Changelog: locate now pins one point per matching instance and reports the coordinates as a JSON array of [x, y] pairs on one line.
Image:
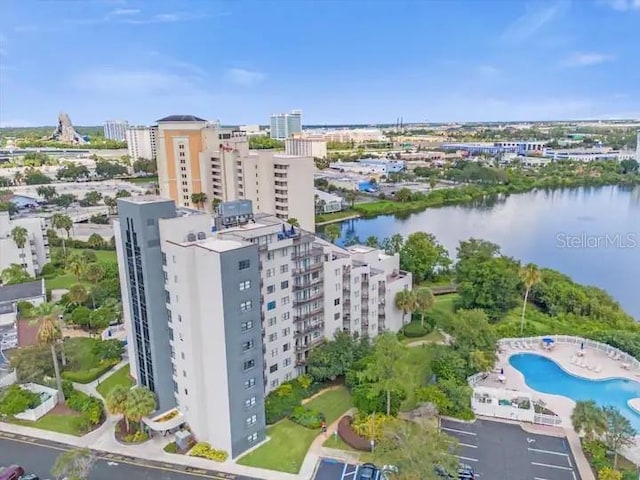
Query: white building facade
[[305, 148], [284, 125], [141, 142], [115, 130], [34, 254]]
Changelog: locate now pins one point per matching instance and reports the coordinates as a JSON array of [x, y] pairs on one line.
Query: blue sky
[[349, 61]]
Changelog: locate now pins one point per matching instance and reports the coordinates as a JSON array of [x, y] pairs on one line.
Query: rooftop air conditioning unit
[[201, 236], [191, 237]]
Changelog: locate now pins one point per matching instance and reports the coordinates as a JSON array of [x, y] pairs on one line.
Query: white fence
[[45, 407], [114, 332], [578, 341], [8, 379]]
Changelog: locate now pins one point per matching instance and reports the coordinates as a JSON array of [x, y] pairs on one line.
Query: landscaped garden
[[121, 377], [289, 441]]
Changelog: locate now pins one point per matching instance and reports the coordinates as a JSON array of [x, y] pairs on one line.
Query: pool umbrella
[[548, 340], [582, 346], [502, 371]]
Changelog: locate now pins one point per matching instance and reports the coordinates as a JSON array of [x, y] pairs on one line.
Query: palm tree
[[60, 221], [117, 402], [530, 275], [20, 236], [351, 196], [424, 302], [332, 232], [406, 301], [214, 204], [111, 203], [141, 402], [76, 264], [293, 222], [18, 178], [49, 334], [588, 419], [77, 294], [199, 199]]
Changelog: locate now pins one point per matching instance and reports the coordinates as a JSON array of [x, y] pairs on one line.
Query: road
[[38, 456]]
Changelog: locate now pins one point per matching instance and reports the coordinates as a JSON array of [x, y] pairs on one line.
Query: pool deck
[[562, 354]]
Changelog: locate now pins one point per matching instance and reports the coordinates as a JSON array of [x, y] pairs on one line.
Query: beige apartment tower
[[195, 156]]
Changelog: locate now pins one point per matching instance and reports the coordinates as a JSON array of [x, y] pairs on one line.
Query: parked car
[[12, 472], [465, 472], [368, 471], [30, 476]]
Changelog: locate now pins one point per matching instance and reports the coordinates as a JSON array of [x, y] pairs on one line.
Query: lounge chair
[[617, 356], [526, 346], [611, 354], [597, 369]]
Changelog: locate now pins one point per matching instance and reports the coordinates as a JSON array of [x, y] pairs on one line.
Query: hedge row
[[350, 437], [88, 376]]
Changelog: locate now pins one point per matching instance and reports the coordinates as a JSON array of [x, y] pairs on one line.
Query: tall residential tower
[[285, 125]]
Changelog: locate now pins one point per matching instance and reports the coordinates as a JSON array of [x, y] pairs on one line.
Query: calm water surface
[[590, 234]]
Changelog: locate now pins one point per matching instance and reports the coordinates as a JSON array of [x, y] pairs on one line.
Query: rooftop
[[21, 291], [181, 118], [216, 244]]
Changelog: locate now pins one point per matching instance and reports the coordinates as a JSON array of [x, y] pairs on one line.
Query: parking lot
[[504, 451], [335, 470]]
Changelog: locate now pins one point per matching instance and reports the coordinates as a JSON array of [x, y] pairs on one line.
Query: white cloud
[[587, 59], [533, 20], [244, 77], [623, 5], [125, 11], [128, 82]]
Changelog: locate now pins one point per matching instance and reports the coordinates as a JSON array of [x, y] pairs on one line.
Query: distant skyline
[[340, 62]]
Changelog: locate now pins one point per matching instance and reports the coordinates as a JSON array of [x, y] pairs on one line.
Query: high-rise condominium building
[[246, 298], [305, 148], [35, 251], [196, 157], [115, 130], [638, 147], [284, 125], [141, 142]]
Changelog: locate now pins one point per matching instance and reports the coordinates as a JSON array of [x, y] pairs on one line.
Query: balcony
[[308, 346], [309, 328], [311, 298], [307, 315], [307, 283], [314, 267], [312, 252]]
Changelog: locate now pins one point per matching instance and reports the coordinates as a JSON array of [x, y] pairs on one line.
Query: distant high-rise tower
[[115, 130], [638, 147], [284, 125]]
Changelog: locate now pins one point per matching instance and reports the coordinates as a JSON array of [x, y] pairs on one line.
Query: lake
[[590, 234]]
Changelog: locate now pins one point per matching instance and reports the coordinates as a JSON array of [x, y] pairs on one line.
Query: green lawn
[[66, 280], [120, 377], [336, 216], [418, 365], [143, 180], [69, 424], [432, 337], [289, 442], [101, 255]]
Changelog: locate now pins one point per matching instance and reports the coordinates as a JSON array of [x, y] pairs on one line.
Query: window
[[286, 331], [182, 355], [271, 288], [252, 438], [285, 347], [186, 392], [284, 268], [286, 362], [271, 305], [336, 301], [167, 297], [169, 315], [284, 284], [285, 300], [246, 346], [337, 287], [249, 364], [246, 285], [271, 272], [247, 325], [286, 315], [250, 402], [250, 383], [273, 337], [275, 383], [251, 420], [288, 376], [284, 252], [273, 368], [171, 334], [337, 272], [336, 316], [244, 264], [245, 306], [274, 352], [270, 255], [164, 258], [184, 373]]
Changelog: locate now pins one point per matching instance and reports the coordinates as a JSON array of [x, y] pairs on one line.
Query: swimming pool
[[546, 376]]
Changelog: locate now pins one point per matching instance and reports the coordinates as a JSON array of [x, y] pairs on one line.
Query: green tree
[[214, 204], [424, 302], [619, 432], [406, 301], [20, 236], [588, 419], [62, 222], [372, 241], [94, 272], [122, 194], [386, 371], [111, 203], [140, 403], [423, 256], [351, 196], [199, 199], [49, 334], [143, 165], [530, 275], [92, 198], [76, 264], [332, 232], [335, 358], [47, 192], [608, 473], [264, 142], [15, 274], [117, 402], [403, 195], [393, 244], [100, 318], [81, 316], [96, 242], [78, 294], [293, 222], [64, 200], [74, 464], [415, 450]]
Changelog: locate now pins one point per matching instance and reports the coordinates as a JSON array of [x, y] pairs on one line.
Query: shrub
[[89, 406], [283, 400], [414, 330], [307, 417], [350, 437], [368, 402], [88, 376], [48, 269], [205, 450], [15, 400], [433, 394], [371, 426], [171, 447]]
